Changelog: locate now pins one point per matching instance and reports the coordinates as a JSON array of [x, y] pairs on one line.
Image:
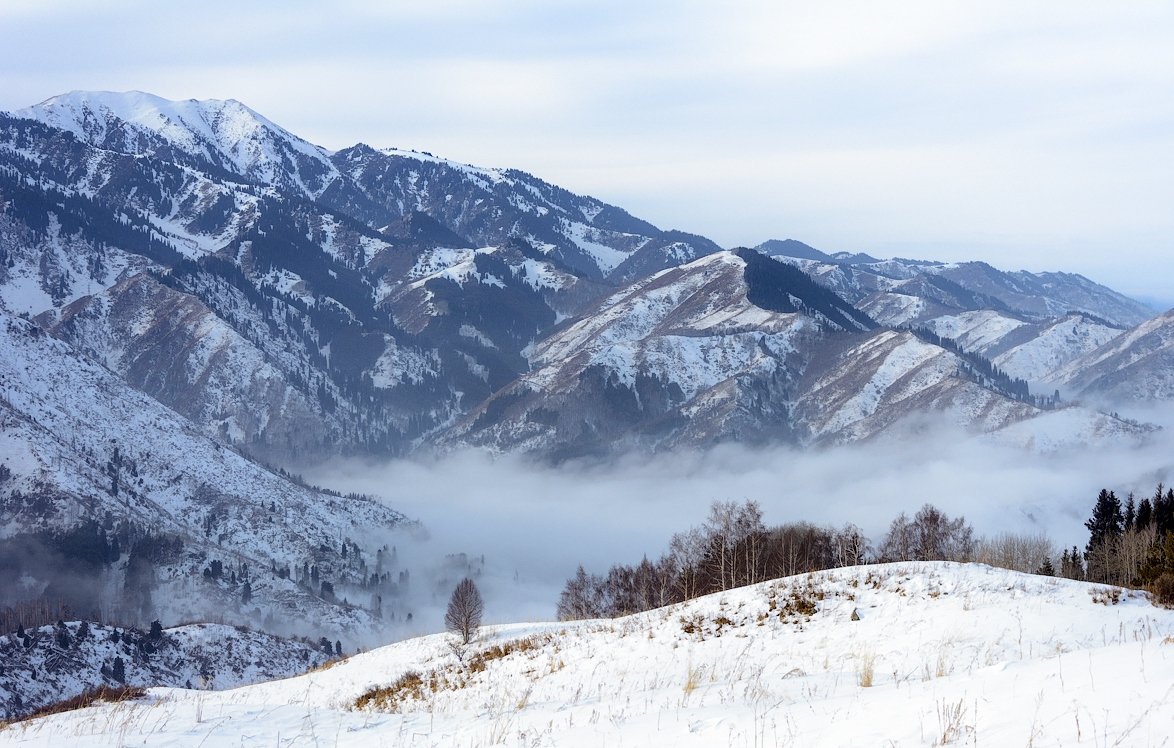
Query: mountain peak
[[225, 132]]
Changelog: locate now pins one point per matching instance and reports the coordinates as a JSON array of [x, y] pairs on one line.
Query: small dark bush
[[1163, 590]]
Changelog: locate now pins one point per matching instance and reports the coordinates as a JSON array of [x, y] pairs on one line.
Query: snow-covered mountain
[[1135, 366], [227, 136], [491, 206], [685, 356], [298, 303], [377, 187], [170, 345], [902, 292], [900, 654], [1030, 325], [58, 662], [185, 522], [350, 260], [734, 346]]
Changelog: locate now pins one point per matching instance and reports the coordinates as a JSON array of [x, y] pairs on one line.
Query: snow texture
[[899, 654]]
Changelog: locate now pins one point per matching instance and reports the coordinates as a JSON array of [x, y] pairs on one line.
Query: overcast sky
[[1031, 135]]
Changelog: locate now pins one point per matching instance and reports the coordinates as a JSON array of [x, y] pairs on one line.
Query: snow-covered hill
[[171, 346], [80, 445], [901, 654], [55, 663]]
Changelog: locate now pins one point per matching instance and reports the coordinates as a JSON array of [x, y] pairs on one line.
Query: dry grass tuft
[[103, 694], [478, 661], [867, 670], [414, 686], [410, 685], [951, 722], [692, 679]]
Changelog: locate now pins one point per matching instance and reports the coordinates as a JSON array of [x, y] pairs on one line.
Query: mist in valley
[[534, 523]]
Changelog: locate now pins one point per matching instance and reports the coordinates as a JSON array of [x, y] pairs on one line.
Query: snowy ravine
[[899, 654]]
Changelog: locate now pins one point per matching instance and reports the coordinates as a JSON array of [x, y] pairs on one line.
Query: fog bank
[[535, 523]]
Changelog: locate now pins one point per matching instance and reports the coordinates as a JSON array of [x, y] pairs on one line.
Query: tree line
[[1129, 546]]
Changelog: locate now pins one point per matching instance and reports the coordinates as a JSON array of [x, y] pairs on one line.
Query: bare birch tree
[[464, 610]]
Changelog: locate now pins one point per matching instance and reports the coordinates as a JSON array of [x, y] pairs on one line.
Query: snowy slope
[[698, 353], [492, 206], [81, 444], [1136, 366], [671, 359], [1032, 351], [173, 347], [940, 654], [53, 663], [1055, 344]]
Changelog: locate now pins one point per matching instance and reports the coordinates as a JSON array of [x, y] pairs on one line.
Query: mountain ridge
[[392, 298]]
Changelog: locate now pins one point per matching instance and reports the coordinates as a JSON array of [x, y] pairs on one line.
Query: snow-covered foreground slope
[[939, 653]]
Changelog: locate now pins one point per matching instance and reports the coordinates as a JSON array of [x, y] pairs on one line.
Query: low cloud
[[534, 523]]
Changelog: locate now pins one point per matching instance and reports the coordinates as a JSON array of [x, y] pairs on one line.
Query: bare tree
[[687, 551], [929, 536], [849, 546], [734, 534], [581, 598], [1026, 553], [464, 610]]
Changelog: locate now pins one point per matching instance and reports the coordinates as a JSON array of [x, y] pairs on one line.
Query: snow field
[[940, 654]]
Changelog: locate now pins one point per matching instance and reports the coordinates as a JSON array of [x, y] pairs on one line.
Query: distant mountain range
[[187, 288], [297, 303]]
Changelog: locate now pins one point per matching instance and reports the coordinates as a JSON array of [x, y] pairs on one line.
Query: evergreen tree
[[1106, 521], [1105, 527], [156, 630], [1071, 565], [119, 670], [1145, 514]]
